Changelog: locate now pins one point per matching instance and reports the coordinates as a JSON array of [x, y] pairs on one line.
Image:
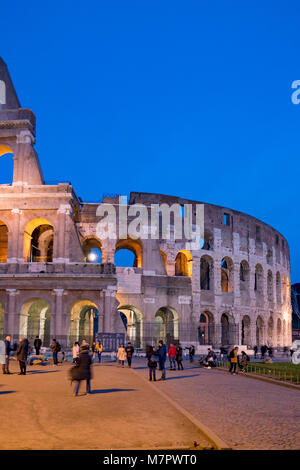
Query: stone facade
[[234, 289]]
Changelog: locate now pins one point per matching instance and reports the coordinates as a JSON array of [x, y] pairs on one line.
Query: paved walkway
[[38, 411], [246, 413]]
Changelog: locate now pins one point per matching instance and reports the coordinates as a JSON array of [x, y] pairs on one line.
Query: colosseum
[[59, 279]]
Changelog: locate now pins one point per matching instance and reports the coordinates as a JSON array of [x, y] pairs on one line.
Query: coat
[[83, 368], [161, 353], [22, 351], [172, 351], [121, 354]]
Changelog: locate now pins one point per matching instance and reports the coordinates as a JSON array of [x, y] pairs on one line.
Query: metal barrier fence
[[279, 373]]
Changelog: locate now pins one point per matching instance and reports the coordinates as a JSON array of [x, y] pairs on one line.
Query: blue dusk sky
[[187, 98]]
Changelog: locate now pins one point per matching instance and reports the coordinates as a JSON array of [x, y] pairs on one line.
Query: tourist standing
[[152, 364], [55, 347], [37, 344], [75, 351], [121, 355], [179, 357], [129, 353], [22, 353], [255, 351], [84, 370], [99, 349], [244, 362], [162, 357], [8, 349], [172, 357], [233, 357], [191, 353]]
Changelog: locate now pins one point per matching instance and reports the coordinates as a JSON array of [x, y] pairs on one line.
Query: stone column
[[61, 243], [59, 318], [16, 240], [108, 300], [11, 317]]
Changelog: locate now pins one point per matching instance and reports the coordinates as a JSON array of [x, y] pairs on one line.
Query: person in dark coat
[[162, 357], [83, 371], [255, 351], [152, 364], [8, 349], [22, 353], [37, 344], [179, 357], [129, 353], [55, 347]]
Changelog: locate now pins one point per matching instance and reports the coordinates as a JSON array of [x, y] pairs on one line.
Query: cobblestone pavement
[[38, 411], [246, 413]]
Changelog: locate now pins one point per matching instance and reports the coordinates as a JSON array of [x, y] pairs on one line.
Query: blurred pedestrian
[[179, 353], [233, 360], [22, 353], [152, 364], [172, 357], [255, 351], [99, 349], [37, 344], [121, 355], [8, 349], [244, 362], [55, 348], [75, 352], [84, 370], [129, 353], [162, 357]]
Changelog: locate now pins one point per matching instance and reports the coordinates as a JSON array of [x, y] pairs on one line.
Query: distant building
[[295, 292]]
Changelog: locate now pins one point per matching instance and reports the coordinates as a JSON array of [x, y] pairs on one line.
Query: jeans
[[88, 386], [99, 356], [172, 362], [179, 364], [152, 372], [55, 358], [129, 359], [232, 368], [162, 367]]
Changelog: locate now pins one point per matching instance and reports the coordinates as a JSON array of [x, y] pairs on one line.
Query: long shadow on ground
[[111, 390], [8, 391]]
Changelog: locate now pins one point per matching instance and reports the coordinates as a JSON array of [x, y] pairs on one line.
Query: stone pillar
[[59, 318], [61, 242], [109, 301], [196, 291], [16, 240], [11, 317], [27, 169]]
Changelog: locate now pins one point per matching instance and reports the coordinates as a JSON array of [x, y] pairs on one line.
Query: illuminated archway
[[84, 321], [6, 164], [38, 241], [35, 318], [92, 250], [3, 242], [184, 263], [133, 322], [227, 274], [166, 325]]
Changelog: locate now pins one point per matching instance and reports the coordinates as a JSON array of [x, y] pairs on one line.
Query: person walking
[[93, 350], [179, 357], [37, 344], [129, 353], [255, 351], [121, 355], [152, 364], [99, 349], [55, 347], [233, 357], [84, 370], [244, 362], [22, 353], [75, 352], [8, 349], [191, 352], [162, 357], [172, 357]]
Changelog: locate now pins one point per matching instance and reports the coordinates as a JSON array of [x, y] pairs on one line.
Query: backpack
[[58, 347]]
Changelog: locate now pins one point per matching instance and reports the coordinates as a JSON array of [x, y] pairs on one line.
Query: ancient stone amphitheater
[[59, 279]]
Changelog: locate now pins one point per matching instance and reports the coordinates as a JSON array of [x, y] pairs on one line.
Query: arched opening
[[205, 333], [269, 257], [278, 288], [1, 320], [133, 322], [35, 319], [270, 331], [6, 164], [246, 330], [258, 280], [206, 273], [284, 289], [227, 275], [244, 278], [92, 250], [183, 263], [207, 243], [38, 241], [129, 253], [279, 333], [224, 329], [3, 242], [84, 321], [259, 331], [270, 286], [166, 325]]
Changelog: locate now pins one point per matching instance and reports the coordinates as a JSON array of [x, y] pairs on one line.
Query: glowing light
[[92, 256]]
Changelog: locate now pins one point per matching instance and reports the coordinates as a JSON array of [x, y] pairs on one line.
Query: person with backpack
[[152, 364], [233, 357], [244, 362], [55, 347]]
